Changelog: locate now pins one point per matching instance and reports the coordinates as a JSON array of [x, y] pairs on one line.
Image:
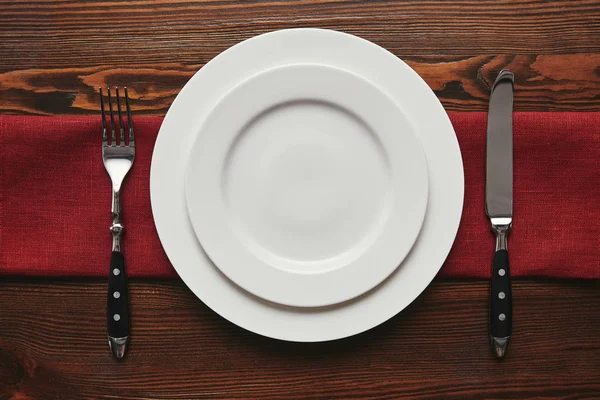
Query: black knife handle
[[117, 307], [501, 299]]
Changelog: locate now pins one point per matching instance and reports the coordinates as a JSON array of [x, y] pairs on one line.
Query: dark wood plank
[[53, 346], [462, 84], [55, 53], [59, 33]]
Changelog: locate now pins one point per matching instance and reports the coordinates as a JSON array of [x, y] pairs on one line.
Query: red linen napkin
[[55, 199]]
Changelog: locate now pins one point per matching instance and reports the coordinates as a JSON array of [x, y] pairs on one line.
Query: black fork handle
[[117, 307]]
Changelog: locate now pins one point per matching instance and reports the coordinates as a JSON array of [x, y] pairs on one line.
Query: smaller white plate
[[306, 185]]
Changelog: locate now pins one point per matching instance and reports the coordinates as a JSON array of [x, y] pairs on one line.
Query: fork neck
[[116, 228]]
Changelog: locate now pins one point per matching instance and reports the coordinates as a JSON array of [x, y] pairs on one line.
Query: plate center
[[307, 182]]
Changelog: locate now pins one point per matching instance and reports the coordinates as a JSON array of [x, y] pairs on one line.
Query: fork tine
[[121, 125], [129, 119], [112, 121], [104, 135]]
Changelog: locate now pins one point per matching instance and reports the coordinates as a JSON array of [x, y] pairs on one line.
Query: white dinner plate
[[306, 185], [306, 46]]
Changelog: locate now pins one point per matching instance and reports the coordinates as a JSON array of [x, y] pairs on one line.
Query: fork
[[118, 159]]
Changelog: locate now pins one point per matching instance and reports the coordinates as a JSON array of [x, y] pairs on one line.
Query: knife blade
[[498, 206]]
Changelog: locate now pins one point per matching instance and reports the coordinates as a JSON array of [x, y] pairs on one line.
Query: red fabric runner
[[55, 199]]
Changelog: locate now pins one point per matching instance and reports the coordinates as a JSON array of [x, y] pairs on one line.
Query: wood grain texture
[[192, 31], [55, 53], [462, 84], [53, 346]]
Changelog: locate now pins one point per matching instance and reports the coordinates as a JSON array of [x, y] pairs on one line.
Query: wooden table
[[53, 341]]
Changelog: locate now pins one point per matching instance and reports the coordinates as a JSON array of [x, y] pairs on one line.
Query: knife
[[498, 206]]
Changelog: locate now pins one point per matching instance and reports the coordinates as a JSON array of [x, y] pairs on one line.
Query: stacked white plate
[[307, 185]]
